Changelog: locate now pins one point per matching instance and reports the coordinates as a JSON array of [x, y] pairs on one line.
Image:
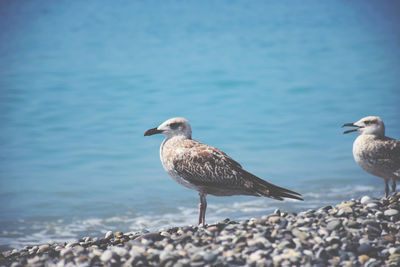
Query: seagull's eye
[[174, 125], [367, 122]]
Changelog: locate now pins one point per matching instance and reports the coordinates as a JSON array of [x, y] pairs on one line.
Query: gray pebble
[[209, 256], [333, 225], [364, 248]]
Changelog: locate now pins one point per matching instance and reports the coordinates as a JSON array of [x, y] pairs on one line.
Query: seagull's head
[[369, 125], [172, 127]]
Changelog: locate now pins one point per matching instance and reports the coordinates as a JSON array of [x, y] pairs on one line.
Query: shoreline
[[363, 232]]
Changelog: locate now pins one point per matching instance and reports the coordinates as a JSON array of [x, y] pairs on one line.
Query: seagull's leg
[[393, 186], [202, 209], [386, 188], [200, 212]]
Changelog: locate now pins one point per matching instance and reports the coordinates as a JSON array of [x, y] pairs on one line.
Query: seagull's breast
[[375, 155], [172, 150]]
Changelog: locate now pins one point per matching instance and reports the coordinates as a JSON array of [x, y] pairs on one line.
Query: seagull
[[207, 169], [374, 152]]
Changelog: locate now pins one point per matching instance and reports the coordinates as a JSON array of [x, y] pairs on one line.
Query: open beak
[[350, 125], [152, 131]]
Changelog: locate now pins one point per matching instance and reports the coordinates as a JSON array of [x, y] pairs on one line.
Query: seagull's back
[[379, 156], [210, 171]]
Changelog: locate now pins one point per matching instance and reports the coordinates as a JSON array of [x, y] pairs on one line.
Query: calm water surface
[[268, 82]]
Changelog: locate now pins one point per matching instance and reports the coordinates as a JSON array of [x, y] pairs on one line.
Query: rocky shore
[[363, 232]]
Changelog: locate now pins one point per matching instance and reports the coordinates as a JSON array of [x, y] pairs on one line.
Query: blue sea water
[[268, 82]]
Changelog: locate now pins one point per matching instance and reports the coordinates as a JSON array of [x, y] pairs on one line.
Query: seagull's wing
[[389, 151], [211, 169]]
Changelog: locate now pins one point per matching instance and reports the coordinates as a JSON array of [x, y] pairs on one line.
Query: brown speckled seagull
[[206, 169], [374, 152]]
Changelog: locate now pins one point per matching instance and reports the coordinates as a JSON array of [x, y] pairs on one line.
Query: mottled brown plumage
[[207, 169]]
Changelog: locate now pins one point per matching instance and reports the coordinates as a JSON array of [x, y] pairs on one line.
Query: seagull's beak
[[152, 131], [350, 125]]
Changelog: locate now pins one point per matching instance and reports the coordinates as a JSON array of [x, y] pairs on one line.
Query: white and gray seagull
[[206, 169], [374, 152]]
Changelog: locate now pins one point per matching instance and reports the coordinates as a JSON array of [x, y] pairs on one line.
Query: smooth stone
[[372, 263], [301, 235], [43, 248], [154, 236], [166, 255], [34, 260], [209, 256], [373, 230], [255, 256], [78, 250], [372, 205], [197, 257], [65, 251], [363, 258], [121, 251], [364, 248], [391, 212], [394, 251], [82, 258], [108, 235], [164, 233], [274, 219], [346, 204], [333, 225], [353, 224], [106, 256], [69, 245], [365, 200]]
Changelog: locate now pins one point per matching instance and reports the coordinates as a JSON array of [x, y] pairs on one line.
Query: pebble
[[108, 235], [391, 212], [363, 232], [119, 234], [43, 248], [372, 205], [333, 225], [106, 256], [365, 200]]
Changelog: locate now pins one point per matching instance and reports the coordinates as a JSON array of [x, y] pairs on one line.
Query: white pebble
[[365, 199], [106, 256], [391, 212], [109, 234]]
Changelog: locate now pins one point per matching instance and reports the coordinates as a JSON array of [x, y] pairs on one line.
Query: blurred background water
[[268, 82]]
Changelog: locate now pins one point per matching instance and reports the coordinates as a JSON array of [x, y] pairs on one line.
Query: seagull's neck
[[173, 138], [373, 135]]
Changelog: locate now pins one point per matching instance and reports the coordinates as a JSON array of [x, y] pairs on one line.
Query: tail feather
[[263, 188]]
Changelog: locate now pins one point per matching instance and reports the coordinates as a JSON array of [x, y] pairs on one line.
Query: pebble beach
[[362, 232]]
